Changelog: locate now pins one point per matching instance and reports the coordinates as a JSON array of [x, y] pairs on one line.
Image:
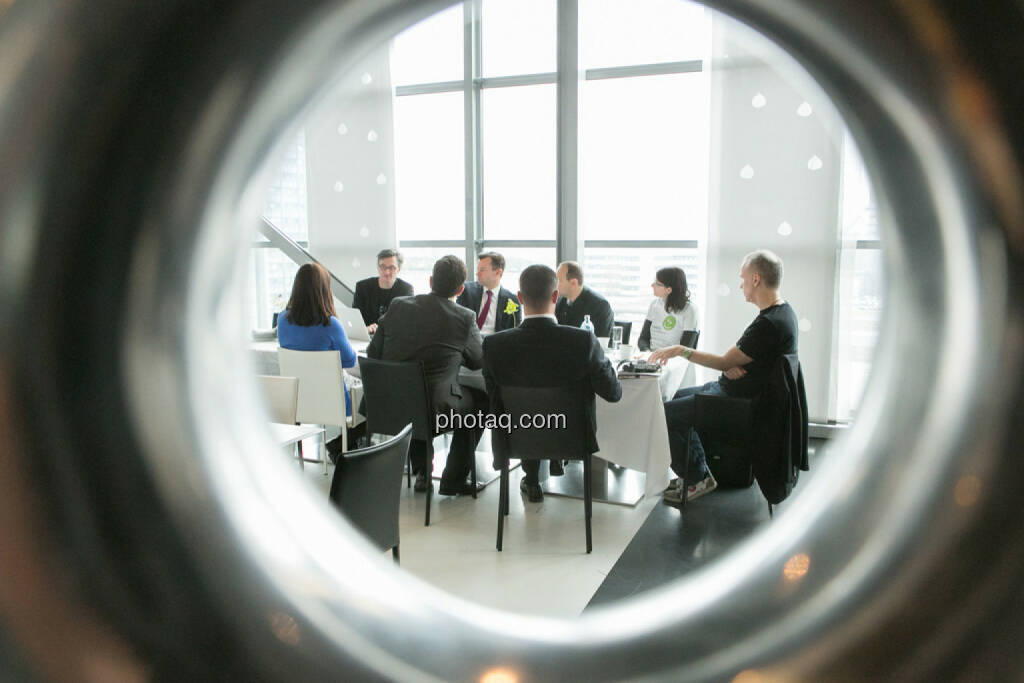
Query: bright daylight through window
[[673, 137]]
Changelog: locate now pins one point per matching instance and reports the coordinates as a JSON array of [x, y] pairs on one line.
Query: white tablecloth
[[632, 432], [675, 374]]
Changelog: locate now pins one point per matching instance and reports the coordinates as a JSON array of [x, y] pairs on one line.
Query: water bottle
[[587, 325]]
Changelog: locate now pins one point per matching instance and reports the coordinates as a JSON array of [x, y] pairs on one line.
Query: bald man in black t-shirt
[[744, 367]]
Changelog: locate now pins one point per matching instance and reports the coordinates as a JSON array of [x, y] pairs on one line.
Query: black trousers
[[464, 441]]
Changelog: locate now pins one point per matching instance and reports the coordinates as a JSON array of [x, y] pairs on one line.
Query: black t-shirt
[[373, 302], [772, 334]]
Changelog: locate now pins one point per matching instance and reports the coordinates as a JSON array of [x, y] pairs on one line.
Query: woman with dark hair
[[671, 313], [309, 322]]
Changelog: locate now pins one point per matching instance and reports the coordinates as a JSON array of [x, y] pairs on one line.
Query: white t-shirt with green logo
[[667, 328]]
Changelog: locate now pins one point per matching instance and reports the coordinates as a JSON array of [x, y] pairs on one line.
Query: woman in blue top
[[309, 322]]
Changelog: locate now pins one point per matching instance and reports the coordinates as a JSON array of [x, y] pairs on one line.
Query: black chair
[[367, 486], [626, 328], [576, 441], [396, 394], [689, 338], [763, 438]]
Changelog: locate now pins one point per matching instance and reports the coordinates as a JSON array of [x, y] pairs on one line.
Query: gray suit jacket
[[435, 330]]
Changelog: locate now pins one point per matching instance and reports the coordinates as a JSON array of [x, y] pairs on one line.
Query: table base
[[611, 484]]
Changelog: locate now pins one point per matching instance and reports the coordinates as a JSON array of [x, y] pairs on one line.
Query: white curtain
[[774, 184], [350, 172]]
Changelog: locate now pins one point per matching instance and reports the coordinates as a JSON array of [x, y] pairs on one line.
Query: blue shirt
[[317, 338]]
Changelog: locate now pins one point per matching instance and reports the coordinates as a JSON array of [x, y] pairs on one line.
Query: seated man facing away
[[434, 329], [542, 353], [745, 368]]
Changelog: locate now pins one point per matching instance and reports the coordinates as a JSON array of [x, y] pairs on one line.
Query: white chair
[[281, 395], [321, 389]]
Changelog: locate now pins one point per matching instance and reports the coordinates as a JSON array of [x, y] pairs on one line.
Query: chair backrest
[[367, 488], [321, 385], [396, 394], [626, 328], [281, 395], [561, 424], [690, 338]]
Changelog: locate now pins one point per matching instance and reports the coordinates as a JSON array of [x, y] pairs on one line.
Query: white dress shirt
[[492, 315]]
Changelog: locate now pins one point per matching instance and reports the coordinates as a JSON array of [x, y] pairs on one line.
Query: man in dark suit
[[495, 307], [542, 353], [434, 329]]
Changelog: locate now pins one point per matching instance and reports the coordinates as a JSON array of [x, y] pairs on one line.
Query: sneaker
[[673, 496], [706, 485], [674, 484]]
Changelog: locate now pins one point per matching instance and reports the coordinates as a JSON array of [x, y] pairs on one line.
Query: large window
[[484, 101], [861, 284], [641, 127], [270, 272]]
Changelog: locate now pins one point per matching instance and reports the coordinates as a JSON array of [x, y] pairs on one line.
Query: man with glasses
[[495, 307], [374, 294]]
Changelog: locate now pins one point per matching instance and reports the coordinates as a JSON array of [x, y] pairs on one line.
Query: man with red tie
[[495, 307]]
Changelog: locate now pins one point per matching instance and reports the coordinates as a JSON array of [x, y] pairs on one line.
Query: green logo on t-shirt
[[669, 322]]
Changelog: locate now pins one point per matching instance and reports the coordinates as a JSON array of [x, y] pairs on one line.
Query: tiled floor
[[544, 568]]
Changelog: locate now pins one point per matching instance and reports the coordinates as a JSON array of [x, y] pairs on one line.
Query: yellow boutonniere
[[511, 307]]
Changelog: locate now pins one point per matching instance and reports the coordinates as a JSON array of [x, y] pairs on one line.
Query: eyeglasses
[[388, 269], [657, 284]]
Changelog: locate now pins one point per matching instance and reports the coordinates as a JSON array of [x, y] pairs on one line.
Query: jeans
[[680, 414]]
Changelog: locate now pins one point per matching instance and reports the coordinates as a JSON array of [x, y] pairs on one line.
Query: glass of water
[[616, 339]]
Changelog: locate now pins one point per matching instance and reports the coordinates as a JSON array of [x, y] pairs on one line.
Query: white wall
[[776, 142], [349, 140]]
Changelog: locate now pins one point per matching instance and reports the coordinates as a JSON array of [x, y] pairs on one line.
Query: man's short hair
[[449, 274], [497, 260], [572, 271], [536, 285], [390, 253], [767, 264]]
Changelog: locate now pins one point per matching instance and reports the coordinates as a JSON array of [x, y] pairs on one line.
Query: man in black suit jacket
[[542, 353], [498, 312], [434, 329], [577, 301]]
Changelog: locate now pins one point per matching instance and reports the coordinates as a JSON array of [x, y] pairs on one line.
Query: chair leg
[[474, 476], [408, 470], [769, 510], [502, 503], [587, 501], [323, 447], [685, 484], [430, 482], [394, 554], [302, 460]]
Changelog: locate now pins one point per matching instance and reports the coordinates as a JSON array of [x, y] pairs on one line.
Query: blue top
[[317, 338]]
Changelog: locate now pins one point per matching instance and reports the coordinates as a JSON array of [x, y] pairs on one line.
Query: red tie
[[483, 314]]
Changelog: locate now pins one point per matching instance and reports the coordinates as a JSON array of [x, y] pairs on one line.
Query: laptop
[[352, 321]]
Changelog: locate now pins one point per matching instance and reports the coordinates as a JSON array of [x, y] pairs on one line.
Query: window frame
[[567, 243]]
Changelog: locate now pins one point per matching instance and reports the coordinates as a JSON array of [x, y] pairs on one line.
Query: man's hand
[[371, 328], [661, 356], [735, 372]]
